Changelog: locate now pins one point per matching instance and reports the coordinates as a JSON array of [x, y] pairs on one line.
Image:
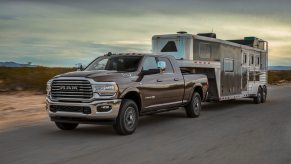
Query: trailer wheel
[[264, 94], [258, 98], [66, 126], [193, 109], [127, 119]]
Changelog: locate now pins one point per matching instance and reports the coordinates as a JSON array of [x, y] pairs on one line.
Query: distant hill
[[279, 68], [14, 64]]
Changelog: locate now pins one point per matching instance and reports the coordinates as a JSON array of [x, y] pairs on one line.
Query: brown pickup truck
[[118, 88]]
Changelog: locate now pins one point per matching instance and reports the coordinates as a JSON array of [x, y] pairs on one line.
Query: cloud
[[64, 32], [62, 54]]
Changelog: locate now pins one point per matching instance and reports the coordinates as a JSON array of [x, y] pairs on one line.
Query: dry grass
[[275, 77], [34, 79]]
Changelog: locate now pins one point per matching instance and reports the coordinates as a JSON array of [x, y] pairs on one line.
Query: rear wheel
[[264, 94], [66, 126], [193, 109], [258, 98], [127, 119]]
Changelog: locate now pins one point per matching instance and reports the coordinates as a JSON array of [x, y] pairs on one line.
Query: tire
[[127, 119], [258, 98], [264, 94], [193, 109], [66, 126]]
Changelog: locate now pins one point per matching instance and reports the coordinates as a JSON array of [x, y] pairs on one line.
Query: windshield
[[115, 63]]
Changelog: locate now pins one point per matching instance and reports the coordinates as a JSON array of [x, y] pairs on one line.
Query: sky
[[67, 32]]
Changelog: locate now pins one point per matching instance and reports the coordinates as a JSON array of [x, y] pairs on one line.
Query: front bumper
[[93, 116]]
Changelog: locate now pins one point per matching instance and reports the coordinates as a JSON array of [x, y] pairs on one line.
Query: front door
[[149, 85]]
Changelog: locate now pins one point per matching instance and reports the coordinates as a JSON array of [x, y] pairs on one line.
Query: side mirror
[[150, 71], [162, 65]]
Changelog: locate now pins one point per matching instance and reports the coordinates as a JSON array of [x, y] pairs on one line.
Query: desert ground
[[237, 132], [21, 108]]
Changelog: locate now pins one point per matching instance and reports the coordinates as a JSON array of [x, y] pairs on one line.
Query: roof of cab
[[133, 54]]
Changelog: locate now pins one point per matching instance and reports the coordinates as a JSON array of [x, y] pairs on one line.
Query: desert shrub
[[28, 78], [35, 78], [279, 76]]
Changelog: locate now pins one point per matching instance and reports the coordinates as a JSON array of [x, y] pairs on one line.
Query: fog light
[[104, 108], [86, 110], [53, 108]]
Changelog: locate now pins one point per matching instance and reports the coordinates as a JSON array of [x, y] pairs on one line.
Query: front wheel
[[127, 119], [193, 109], [66, 126]]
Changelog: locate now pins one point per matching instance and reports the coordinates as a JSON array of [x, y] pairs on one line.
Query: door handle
[[176, 79], [159, 80]]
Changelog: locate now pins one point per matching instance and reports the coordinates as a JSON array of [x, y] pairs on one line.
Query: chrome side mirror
[[162, 65]]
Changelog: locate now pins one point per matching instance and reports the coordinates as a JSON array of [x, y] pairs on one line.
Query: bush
[[279, 76], [35, 78], [28, 78]]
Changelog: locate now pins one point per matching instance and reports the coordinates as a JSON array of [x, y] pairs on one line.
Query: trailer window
[[245, 58], [204, 50], [251, 60], [257, 60], [170, 47], [228, 65]]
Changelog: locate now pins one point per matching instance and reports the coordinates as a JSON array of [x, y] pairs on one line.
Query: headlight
[[48, 87], [105, 89]]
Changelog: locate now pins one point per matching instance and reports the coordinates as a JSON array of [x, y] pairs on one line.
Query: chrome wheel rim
[[259, 96], [130, 118], [196, 105]]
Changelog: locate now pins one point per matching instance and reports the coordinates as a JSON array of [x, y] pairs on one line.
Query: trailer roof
[[210, 40]]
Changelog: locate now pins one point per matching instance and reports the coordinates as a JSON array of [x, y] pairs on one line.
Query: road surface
[[227, 133]]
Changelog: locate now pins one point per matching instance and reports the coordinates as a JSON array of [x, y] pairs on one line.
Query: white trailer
[[235, 68]]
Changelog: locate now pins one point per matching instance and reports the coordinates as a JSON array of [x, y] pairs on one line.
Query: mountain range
[[279, 68], [14, 64]]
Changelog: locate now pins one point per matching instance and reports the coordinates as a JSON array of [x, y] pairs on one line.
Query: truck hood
[[101, 76]]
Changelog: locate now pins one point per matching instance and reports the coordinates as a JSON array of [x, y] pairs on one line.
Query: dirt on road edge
[[21, 108]]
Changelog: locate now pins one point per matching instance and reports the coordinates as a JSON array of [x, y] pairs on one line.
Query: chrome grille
[[71, 89]]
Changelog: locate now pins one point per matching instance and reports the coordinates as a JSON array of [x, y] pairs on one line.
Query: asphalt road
[[230, 132]]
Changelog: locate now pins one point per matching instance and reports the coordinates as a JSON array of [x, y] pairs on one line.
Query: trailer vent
[[181, 32], [210, 35]]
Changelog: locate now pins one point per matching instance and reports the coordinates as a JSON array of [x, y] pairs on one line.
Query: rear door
[[161, 90], [172, 84]]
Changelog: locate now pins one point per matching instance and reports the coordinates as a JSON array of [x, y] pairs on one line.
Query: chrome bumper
[[94, 115]]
